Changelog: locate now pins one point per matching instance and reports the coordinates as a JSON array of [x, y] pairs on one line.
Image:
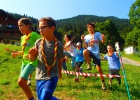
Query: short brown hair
[[92, 24], [50, 21]]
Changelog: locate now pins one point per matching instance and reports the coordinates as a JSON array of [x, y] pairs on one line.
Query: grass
[[135, 57], [88, 88]]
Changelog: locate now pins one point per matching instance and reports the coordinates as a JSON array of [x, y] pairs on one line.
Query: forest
[[115, 29]]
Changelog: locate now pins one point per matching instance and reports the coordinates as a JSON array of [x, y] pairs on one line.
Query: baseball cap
[[78, 44]]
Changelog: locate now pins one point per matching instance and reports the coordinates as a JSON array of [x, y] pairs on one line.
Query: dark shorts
[[96, 61], [79, 64], [114, 72]]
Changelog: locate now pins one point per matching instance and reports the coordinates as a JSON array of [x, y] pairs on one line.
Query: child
[[79, 58], [27, 42], [69, 49], [91, 43], [50, 55], [114, 64], [64, 64]]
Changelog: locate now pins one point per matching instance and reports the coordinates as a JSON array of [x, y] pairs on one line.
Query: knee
[[21, 82], [85, 52]]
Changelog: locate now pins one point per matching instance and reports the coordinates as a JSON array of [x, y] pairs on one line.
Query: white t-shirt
[[71, 49], [95, 48]]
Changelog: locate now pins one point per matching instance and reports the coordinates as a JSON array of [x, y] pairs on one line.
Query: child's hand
[[103, 36], [14, 54], [33, 51], [82, 37], [32, 54], [60, 75], [91, 42]]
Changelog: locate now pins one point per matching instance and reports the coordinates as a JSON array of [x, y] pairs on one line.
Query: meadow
[[88, 88]]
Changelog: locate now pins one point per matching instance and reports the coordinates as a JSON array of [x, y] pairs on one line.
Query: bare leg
[[110, 81], [23, 84], [99, 69], [77, 68], [87, 58]]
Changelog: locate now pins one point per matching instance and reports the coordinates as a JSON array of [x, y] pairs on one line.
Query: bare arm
[[103, 38], [32, 54], [14, 53], [9, 50], [103, 59], [66, 46], [82, 38]]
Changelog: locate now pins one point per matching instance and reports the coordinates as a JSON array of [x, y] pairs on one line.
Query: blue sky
[[60, 9]]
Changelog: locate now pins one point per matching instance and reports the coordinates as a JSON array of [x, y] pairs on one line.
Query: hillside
[[84, 19], [121, 24], [114, 28]]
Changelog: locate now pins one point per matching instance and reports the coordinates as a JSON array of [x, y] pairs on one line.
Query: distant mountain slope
[[84, 19]]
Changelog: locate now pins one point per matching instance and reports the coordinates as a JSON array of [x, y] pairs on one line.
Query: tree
[[134, 15], [112, 35], [133, 38]]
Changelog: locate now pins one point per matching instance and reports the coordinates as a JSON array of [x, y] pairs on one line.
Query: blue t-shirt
[[79, 55], [113, 61], [94, 49]]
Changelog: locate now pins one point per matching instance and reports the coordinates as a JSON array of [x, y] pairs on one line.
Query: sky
[[61, 9]]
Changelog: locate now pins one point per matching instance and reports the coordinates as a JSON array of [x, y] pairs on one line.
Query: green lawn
[[88, 88], [135, 57]]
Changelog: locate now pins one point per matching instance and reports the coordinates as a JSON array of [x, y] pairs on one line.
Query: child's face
[[66, 38], [90, 29], [23, 28], [109, 49], [45, 30], [78, 47]]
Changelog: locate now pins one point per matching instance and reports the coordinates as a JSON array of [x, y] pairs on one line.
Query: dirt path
[[129, 61]]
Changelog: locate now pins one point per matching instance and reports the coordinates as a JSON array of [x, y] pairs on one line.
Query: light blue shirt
[[94, 49], [113, 61]]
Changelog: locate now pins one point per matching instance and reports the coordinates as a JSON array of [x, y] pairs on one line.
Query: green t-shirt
[[30, 43]]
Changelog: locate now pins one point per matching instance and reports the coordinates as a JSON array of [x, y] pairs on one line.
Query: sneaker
[[103, 86], [76, 79], [89, 67], [29, 82]]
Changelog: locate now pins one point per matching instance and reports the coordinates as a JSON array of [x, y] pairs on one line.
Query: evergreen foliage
[[115, 29]]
